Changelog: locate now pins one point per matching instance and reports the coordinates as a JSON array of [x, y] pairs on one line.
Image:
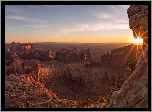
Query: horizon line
[[76, 42]]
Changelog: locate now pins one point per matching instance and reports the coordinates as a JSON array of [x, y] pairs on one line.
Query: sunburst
[[138, 40]]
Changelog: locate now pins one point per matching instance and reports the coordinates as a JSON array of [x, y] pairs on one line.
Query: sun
[[138, 40]]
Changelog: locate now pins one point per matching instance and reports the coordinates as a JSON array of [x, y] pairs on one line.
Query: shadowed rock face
[[39, 55], [134, 91], [118, 58], [138, 21], [74, 55]]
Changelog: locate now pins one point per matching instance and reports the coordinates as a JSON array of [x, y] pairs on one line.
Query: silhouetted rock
[[37, 54], [74, 55], [119, 57], [138, 22]]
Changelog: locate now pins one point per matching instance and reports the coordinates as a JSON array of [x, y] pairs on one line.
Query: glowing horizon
[[67, 23]]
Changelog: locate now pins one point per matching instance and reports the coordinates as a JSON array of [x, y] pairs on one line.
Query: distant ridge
[[58, 42]]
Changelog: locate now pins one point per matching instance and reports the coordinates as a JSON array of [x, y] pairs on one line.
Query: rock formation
[[66, 74], [24, 67], [74, 55], [26, 52], [138, 22], [118, 57], [134, 91], [10, 57], [37, 54], [17, 48], [22, 91], [93, 63]]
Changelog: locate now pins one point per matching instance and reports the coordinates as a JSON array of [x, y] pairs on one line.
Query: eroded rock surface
[[22, 91], [37, 54], [134, 91], [138, 21], [118, 58], [74, 55]]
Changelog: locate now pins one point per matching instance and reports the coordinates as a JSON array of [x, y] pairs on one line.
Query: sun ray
[[138, 40], [140, 29], [126, 57], [141, 46], [143, 33], [137, 53], [142, 53], [145, 43], [135, 32]]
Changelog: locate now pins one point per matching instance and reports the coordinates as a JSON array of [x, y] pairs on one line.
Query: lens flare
[[138, 40]]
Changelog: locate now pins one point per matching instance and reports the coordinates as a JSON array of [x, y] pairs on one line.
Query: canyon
[[60, 80]]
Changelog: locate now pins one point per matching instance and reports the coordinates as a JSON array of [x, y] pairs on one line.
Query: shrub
[[29, 104], [131, 64], [103, 99], [84, 104], [19, 105]]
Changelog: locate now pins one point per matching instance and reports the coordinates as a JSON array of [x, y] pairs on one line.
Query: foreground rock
[[22, 91], [134, 91]]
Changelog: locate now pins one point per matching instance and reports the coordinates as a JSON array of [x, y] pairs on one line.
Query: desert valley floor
[[94, 83]]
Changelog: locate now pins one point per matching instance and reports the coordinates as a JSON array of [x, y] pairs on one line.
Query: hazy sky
[[67, 23]]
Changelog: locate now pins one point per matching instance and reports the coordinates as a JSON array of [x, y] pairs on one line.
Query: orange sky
[[124, 36]]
